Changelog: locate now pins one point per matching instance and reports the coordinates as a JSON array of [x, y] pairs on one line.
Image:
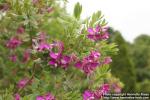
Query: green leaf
[[77, 10]]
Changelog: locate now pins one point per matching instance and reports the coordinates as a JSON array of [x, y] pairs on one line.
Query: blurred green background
[[132, 64]]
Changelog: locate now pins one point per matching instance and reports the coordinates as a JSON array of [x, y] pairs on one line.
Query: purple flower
[[88, 95], [57, 58], [105, 88], [97, 94], [65, 60], [48, 96], [89, 67], [89, 63], [17, 96], [53, 62], [13, 58], [55, 55], [62, 61], [98, 33], [107, 60], [20, 30], [44, 46], [13, 43], [40, 98], [22, 83]]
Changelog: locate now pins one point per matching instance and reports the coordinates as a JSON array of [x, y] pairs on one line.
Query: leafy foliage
[[30, 67], [122, 62]]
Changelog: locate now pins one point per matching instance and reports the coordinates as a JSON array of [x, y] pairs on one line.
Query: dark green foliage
[[140, 54], [143, 86], [122, 66]]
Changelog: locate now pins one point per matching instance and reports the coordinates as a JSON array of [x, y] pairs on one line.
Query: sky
[[130, 17]]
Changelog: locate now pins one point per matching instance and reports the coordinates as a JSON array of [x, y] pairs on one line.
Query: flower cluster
[[13, 43], [22, 83], [57, 58], [47, 96], [13, 58], [17, 97], [96, 95], [98, 33], [55, 50], [89, 63]]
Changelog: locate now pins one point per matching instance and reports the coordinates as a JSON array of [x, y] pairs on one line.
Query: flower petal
[[91, 30]]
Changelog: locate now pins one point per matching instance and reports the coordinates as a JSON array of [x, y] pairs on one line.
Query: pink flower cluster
[[13, 43], [22, 83], [17, 97], [13, 58], [98, 33], [56, 56], [96, 95], [89, 63], [48, 96]]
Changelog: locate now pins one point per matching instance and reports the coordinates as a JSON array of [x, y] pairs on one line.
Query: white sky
[[130, 17]]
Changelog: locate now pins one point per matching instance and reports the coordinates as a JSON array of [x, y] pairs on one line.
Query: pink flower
[[57, 58], [55, 55], [107, 60], [98, 33], [17, 97], [89, 63], [26, 56], [65, 61], [47, 96], [97, 94], [13, 58], [20, 30], [60, 60], [104, 89], [43, 46], [22, 83], [40, 98], [13, 43], [88, 95]]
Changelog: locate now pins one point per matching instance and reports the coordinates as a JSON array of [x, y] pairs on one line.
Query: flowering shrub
[[47, 54]]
